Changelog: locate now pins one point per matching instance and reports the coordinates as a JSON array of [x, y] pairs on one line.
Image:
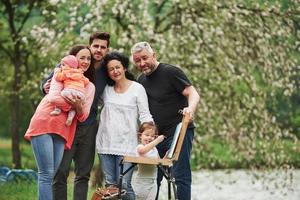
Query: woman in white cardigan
[[125, 107]]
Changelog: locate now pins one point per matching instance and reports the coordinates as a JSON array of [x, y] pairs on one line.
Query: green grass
[[25, 190], [18, 191], [28, 191], [28, 161], [210, 153]]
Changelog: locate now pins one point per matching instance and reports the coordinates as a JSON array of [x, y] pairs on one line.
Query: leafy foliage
[[242, 56]]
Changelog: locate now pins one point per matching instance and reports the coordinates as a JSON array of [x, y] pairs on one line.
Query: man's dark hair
[[100, 36]]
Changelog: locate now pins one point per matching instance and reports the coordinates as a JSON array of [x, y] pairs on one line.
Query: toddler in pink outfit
[[74, 83]]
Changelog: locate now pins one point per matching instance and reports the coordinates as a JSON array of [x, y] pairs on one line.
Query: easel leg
[[169, 190], [122, 174], [171, 181], [167, 173], [174, 187]]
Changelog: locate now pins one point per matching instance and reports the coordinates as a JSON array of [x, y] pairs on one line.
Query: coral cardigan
[[42, 122]]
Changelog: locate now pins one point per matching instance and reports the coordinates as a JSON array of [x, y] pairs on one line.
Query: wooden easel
[[164, 164]]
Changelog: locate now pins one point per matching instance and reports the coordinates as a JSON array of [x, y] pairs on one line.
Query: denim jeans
[[83, 154], [111, 169], [181, 169], [48, 150]]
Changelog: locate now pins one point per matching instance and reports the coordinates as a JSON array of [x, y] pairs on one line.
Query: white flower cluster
[[45, 37]]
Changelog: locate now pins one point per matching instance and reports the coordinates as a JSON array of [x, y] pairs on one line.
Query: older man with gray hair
[[169, 90]]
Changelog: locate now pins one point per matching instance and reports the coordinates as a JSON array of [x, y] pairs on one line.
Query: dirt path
[[244, 185]]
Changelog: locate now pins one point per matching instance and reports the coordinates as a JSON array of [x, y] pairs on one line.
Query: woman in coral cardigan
[[48, 134]]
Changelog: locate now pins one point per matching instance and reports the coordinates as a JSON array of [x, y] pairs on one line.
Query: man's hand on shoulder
[[46, 86]]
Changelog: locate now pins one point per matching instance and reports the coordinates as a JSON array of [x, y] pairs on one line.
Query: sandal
[[107, 193]]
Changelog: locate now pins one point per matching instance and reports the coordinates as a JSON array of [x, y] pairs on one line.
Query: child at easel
[[145, 182]]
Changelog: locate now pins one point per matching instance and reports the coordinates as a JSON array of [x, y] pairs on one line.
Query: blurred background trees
[[242, 56]]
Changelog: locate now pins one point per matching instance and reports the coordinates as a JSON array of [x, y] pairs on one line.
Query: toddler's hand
[[160, 138]]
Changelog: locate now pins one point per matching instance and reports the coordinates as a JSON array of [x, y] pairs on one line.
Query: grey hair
[[140, 46]]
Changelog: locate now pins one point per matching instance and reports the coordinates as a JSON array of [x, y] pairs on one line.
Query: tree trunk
[[16, 19], [15, 115], [16, 153]]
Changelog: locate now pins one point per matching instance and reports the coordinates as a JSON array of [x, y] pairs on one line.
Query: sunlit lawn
[[24, 190], [28, 191], [216, 149], [26, 151]]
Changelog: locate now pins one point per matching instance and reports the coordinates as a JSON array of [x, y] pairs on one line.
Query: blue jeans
[[48, 150], [181, 169], [111, 169]]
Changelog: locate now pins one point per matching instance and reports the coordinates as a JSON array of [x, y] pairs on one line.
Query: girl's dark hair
[[114, 55], [147, 125], [90, 72]]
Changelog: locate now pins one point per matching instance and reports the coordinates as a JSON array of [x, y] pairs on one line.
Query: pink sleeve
[[59, 75], [90, 92], [54, 96]]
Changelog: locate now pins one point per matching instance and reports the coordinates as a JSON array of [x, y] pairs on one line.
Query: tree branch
[[6, 51], [158, 10], [11, 14], [30, 7], [159, 19], [27, 72]]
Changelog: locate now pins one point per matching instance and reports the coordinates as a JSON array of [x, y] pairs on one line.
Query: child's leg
[[56, 111], [71, 115]]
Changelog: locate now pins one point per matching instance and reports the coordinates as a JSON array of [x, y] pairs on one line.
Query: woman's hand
[[76, 102]]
